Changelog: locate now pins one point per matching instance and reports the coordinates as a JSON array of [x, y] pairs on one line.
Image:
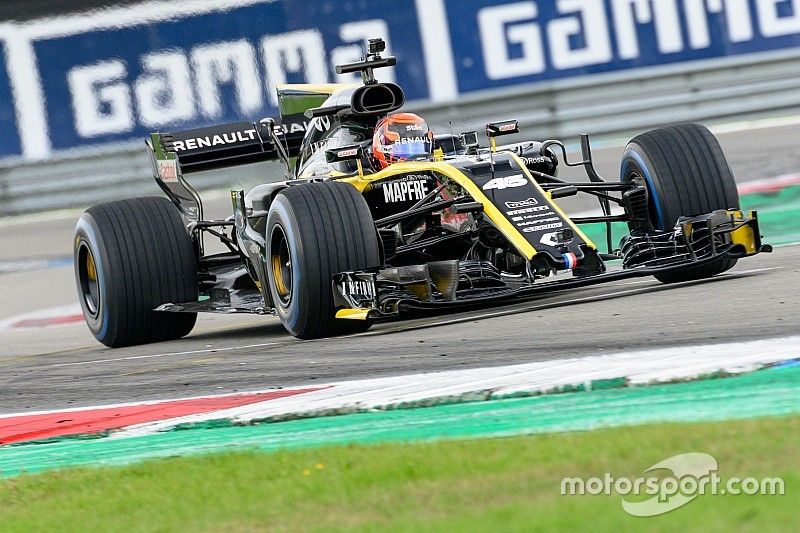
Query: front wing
[[695, 241]]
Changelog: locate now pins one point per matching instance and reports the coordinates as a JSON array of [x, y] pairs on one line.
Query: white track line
[[159, 355], [636, 367]]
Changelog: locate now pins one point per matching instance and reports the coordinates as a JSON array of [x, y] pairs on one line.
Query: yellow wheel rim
[[91, 271], [281, 265], [88, 280]]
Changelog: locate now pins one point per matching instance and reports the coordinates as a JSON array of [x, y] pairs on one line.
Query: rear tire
[[130, 257], [314, 231], [686, 174]]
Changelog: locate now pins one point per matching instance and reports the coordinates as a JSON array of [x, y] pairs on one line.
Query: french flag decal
[[570, 260]]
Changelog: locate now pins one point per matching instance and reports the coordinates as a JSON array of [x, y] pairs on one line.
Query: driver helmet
[[400, 137]]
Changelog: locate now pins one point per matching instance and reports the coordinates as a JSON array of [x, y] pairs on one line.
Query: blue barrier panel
[[115, 75], [119, 83], [499, 43], [9, 138]]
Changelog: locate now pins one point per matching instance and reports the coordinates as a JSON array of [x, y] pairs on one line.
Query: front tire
[[314, 231], [130, 257], [686, 174]]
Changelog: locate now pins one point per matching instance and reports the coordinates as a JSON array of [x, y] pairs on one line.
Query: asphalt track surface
[[62, 367]]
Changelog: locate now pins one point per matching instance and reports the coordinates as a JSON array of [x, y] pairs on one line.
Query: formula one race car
[[377, 216]]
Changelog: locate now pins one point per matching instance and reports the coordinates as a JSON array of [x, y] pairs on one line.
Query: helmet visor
[[406, 148]]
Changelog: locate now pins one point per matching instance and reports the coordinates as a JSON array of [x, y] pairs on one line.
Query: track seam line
[[153, 356]]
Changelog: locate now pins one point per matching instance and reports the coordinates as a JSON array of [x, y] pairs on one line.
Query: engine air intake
[[377, 98]]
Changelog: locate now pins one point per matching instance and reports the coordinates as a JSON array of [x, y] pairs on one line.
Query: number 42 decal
[[507, 182]]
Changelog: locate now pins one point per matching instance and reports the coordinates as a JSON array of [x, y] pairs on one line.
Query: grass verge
[[509, 484]]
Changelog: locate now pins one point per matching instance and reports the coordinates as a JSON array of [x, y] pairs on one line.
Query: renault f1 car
[[340, 242]]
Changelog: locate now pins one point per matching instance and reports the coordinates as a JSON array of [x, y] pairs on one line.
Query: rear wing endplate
[[174, 155]]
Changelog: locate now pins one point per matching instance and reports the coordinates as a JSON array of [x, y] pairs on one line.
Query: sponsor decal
[[538, 209], [167, 170], [506, 182], [347, 153], [542, 228], [316, 146], [411, 140], [507, 127], [360, 289], [321, 124], [530, 202], [414, 127], [215, 140], [405, 191], [535, 160], [294, 127], [531, 217], [538, 222]]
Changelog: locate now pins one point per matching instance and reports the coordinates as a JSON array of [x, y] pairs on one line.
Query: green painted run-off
[[763, 393], [778, 218]]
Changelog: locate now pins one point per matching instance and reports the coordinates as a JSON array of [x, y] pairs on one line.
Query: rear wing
[[240, 143], [174, 155], [222, 146]]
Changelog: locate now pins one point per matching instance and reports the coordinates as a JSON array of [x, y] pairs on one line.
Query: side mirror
[[345, 153], [506, 127]]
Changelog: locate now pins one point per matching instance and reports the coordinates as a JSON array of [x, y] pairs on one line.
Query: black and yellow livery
[[338, 242]]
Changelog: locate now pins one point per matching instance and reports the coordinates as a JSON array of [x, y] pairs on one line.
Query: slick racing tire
[[686, 174], [314, 231], [130, 257]]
